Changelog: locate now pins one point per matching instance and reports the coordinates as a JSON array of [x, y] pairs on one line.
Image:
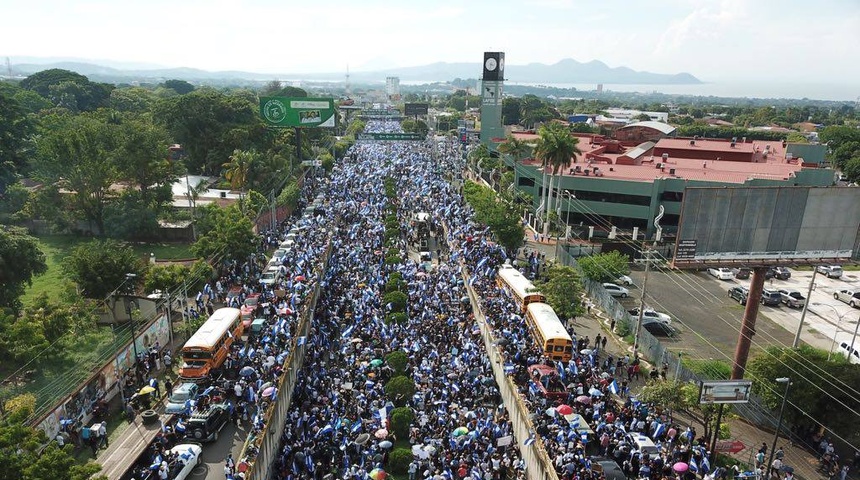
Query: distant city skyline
[[715, 40]]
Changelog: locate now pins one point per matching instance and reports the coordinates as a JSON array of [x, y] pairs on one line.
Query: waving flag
[[301, 341], [529, 440], [613, 387]]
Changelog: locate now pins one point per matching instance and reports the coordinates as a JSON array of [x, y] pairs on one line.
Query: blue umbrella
[[247, 371]]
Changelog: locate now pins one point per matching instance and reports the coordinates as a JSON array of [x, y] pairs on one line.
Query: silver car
[[615, 290], [848, 296]]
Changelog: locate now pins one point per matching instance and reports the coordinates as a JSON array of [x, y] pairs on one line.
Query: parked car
[[740, 294], [658, 328], [616, 291], [607, 468], [204, 426], [270, 276], [742, 273], [771, 298], [721, 273], [187, 459], [181, 394], [830, 271], [793, 298], [624, 280], [848, 296], [651, 314]]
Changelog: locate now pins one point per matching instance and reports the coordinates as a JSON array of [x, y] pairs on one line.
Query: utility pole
[[742, 350], [647, 254], [805, 308]]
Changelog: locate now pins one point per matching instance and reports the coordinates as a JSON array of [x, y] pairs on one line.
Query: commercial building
[[625, 186]]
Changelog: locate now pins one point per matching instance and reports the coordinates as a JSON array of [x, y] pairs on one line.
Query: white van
[[270, 276]]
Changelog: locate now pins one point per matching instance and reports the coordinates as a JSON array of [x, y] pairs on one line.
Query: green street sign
[[390, 136], [298, 112]]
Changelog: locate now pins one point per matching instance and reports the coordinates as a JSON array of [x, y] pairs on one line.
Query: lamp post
[[838, 326], [787, 383]]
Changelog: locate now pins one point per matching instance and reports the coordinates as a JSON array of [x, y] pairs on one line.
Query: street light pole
[[787, 383], [838, 327]]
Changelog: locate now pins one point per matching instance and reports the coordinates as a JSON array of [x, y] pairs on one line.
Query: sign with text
[[298, 112], [413, 109], [725, 391], [376, 113], [390, 136]]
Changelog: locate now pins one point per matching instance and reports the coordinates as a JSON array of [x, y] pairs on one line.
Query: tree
[[401, 419], [68, 89], [562, 290], [76, 153], [20, 260], [132, 99], [231, 236], [15, 132], [812, 394], [502, 218], [511, 109], [24, 455], [99, 267], [605, 267], [400, 390], [179, 86], [516, 148], [555, 149], [412, 126], [398, 361], [683, 397], [142, 156], [236, 171]]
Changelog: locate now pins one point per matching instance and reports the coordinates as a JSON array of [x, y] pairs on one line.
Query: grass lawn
[[57, 247]]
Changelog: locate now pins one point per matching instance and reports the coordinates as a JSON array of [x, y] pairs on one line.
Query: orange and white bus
[[208, 348], [548, 332], [523, 290]]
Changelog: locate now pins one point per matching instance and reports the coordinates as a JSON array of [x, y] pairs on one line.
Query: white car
[[616, 291], [624, 280], [848, 296], [830, 271], [649, 314], [721, 273], [188, 456]]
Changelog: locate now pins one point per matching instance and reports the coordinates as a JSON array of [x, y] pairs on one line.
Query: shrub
[[397, 300], [399, 460], [400, 389], [397, 317], [401, 418], [395, 285], [389, 234], [397, 361], [393, 260]]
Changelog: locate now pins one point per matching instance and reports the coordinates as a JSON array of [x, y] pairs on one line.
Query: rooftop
[[659, 126]]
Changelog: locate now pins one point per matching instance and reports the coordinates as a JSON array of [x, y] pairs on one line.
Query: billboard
[[390, 137], [298, 112], [413, 109], [760, 226], [725, 391]]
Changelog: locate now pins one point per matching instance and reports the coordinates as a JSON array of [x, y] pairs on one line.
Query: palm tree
[[237, 170], [515, 147], [556, 148]]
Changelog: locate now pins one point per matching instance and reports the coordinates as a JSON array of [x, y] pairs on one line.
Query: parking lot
[[708, 321]]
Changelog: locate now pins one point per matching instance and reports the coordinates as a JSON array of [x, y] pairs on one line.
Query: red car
[[249, 308], [548, 382]]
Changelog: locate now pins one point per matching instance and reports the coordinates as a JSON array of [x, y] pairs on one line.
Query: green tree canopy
[[412, 126], [69, 89], [179, 86], [20, 260], [15, 132], [100, 267], [502, 218], [605, 267], [562, 290], [231, 236]]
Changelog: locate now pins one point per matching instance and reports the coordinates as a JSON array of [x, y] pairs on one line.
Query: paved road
[[707, 319], [230, 440]]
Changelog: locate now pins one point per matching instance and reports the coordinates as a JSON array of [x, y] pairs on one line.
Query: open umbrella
[[564, 409], [385, 444], [460, 431], [381, 433], [595, 392], [376, 362], [430, 449], [268, 391], [585, 351], [378, 474], [266, 385], [300, 278], [551, 412], [246, 371], [585, 399], [503, 341], [362, 439], [146, 390], [680, 467]]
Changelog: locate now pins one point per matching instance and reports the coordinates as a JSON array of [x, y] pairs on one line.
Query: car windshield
[[180, 396]]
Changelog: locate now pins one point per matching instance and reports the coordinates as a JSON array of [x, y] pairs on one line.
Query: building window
[[672, 196], [526, 182]]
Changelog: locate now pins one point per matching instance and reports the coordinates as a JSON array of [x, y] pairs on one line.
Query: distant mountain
[[565, 71]]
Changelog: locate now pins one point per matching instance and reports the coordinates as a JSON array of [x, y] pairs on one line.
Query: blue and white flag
[[613, 387], [346, 333], [529, 440], [325, 430], [694, 467], [301, 341], [706, 465], [355, 427], [658, 430]]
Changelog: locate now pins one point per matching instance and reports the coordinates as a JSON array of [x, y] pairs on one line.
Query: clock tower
[[491, 98]]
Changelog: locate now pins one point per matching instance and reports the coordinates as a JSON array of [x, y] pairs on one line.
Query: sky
[[715, 40]]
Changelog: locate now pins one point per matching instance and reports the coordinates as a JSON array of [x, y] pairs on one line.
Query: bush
[[399, 460], [397, 317], [392, 234], [393, 260], [400, 390], [395, 285], [401, 418], [397, 300], [397, 361]]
